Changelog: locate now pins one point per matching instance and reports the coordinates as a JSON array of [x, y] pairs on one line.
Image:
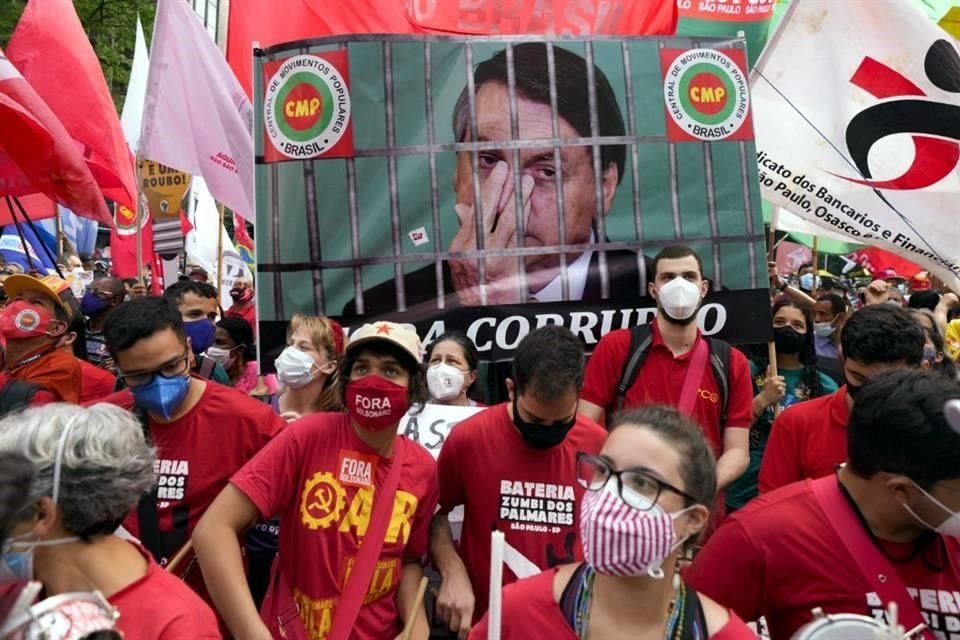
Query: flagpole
[[220, 209], [772, 257], [816, 266], [137, 222], [58, 228], [43, 245]]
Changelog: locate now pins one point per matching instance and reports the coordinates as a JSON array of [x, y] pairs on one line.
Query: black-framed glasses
[[639, 489], [172, 369]]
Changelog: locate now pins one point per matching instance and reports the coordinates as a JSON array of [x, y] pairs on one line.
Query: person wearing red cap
[[33, 325], [355, 500], [244, 305]]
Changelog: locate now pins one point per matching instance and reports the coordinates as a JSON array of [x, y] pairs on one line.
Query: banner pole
[[220, 248], [772, 257], [138, 222], [58, 229], [816, 265], [46, 249], [23, 241]]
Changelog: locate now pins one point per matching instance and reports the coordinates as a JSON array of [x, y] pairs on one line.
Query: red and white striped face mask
[[621, 540]]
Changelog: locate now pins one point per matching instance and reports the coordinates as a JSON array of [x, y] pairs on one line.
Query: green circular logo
[[706, 94], [306, 109]]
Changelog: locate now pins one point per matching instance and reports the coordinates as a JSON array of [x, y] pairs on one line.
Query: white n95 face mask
[[444, 381], [679, 298], [295, 368], [949, 527]]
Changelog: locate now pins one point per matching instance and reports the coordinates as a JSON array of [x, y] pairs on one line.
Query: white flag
[[201, 243], [197, 117], [857, 118], [131, 118]]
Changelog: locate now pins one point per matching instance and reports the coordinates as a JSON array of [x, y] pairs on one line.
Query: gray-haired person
[[90, 468]]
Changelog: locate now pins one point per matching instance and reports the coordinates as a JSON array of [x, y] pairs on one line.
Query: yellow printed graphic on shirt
[[317, 615], [951, 339], [323, 504]]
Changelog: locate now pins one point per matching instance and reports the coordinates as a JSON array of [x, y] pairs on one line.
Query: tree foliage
[[111, 26]]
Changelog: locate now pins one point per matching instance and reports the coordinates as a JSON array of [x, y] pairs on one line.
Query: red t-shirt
[[159, 606], [780, 557], [247, 311], [661, 379], [95, 384], [529, 494], [529, 611], [196, 456], [321, 479], [808, 440]]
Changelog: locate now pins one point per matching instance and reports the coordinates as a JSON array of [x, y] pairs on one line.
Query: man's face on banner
[[538, 171]]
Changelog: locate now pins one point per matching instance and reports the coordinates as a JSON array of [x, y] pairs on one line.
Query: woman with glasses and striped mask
[[649, 495]]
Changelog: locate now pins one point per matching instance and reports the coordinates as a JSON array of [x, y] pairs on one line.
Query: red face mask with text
[[376, 403], [21, 320]]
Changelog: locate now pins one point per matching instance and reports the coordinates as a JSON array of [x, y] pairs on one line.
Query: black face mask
[[541, 436], [853, 390], [788, 339]]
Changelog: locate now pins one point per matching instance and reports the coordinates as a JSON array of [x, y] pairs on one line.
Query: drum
[[68, 616], [846, 626]]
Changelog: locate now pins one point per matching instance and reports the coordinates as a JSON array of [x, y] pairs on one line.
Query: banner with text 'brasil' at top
[[497, 185]]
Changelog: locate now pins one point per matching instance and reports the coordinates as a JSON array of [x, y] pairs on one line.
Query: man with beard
[[704, 378]]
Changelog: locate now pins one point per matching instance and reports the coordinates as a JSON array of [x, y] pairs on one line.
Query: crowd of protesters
[[669, 485]]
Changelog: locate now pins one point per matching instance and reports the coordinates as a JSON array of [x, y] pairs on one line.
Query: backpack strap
[[640, 339], [205, 370], [720, 363], [16, 395]]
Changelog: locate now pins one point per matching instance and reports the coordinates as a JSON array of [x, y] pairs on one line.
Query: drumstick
[[415, 609], [179, 556], [496, 585]]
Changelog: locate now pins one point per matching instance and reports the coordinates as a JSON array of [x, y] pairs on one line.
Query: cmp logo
[[306, 107], [27, 321], [934, 127], [706, 94]]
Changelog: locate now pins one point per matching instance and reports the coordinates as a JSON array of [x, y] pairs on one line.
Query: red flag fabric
[[51, 50], [37, 155], [876, 260], [123, 244], [38, 206], [259, 20]]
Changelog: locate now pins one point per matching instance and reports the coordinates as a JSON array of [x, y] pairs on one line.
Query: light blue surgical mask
[[806, 281], [162, 396], [16, 562]]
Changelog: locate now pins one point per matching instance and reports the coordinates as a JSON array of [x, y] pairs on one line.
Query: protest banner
[[584, 158], [726, 18], [431, 426], [862, 135]]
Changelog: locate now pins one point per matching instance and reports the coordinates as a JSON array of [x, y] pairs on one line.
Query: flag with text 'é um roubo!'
[[197, 119], [51, 50], [857, 118], [259, 20], [38, 156]]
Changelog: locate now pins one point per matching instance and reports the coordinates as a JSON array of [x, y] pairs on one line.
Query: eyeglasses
[[172, 369], [637, 488]]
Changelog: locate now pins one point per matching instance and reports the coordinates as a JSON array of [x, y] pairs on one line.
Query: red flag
[[123, 243], [876, 260], [51, 50], [259, 20], [37, 155]]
